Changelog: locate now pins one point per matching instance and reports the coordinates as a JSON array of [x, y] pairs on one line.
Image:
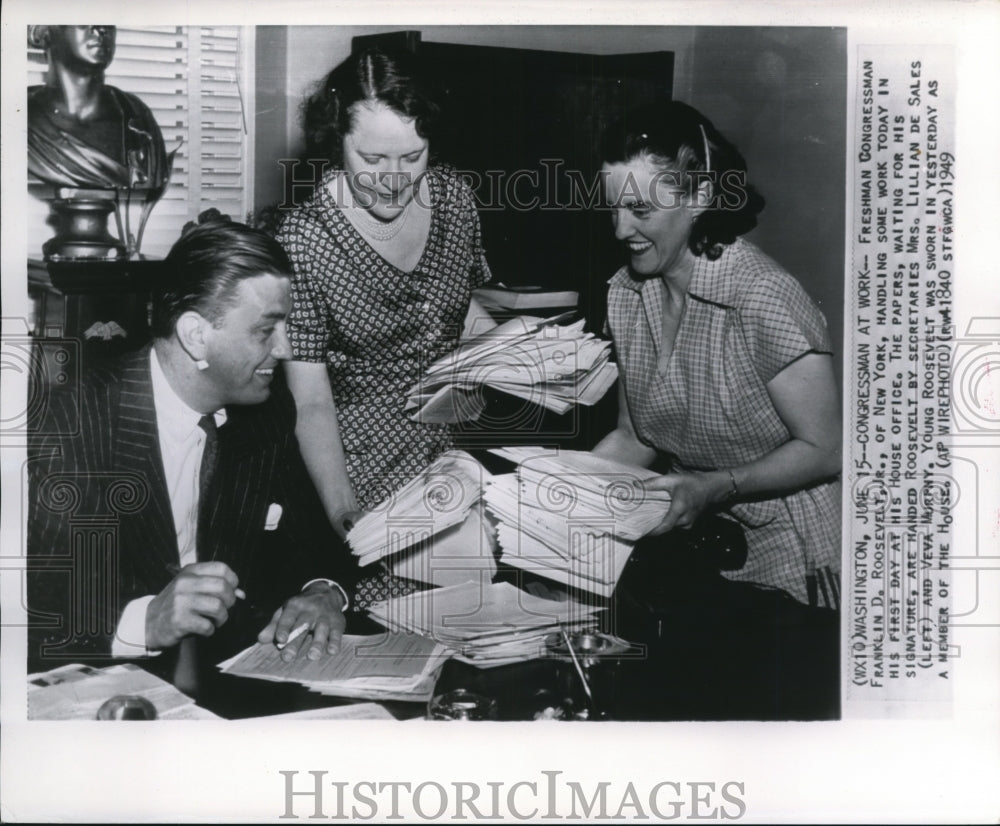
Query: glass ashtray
[[588, 646], [127, 707], [461, 704]]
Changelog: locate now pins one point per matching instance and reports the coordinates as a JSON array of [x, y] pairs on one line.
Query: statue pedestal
[[82, 227]]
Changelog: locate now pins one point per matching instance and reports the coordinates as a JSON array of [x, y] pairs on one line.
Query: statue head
[[87, 135], [83, 49]]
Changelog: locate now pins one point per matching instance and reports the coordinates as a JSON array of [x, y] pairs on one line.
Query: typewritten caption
[[897, 577]]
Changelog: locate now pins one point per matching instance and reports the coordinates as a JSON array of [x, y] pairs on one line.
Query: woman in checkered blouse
[[726, 365], [386, 254]]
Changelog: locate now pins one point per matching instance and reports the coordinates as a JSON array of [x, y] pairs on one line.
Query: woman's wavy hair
[[685, 144], [396, 79]]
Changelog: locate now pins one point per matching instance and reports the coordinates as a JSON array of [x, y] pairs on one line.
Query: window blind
[[196, 80]]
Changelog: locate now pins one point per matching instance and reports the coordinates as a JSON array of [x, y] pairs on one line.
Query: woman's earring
[[201, 364]]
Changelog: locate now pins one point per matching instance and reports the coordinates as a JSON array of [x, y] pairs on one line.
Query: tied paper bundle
[[535, 359], [487, 624], [377, 667], [436, 500], [572, 516]]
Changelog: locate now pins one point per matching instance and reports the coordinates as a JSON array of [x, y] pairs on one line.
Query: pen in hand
[[174, 570], [297, 632]]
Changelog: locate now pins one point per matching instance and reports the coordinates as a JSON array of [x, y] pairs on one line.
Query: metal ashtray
[[588, 646], [127, 707], [462, 705]]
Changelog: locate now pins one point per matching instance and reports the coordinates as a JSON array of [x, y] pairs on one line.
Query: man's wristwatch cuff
[[332, 584]]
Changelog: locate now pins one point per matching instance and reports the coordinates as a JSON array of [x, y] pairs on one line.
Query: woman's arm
[[805, 396], [621, 444], [318, 433]]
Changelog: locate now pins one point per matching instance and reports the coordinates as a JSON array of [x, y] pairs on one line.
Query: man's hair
[[204, 268]]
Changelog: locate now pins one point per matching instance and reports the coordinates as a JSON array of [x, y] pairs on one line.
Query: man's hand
[[197, 601], [320, 609], [690, 495]]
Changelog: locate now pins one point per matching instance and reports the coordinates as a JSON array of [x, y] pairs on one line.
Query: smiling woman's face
[[383, 157], [652, 216]]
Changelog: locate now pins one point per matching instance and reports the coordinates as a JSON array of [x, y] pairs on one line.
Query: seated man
[[147, 528]]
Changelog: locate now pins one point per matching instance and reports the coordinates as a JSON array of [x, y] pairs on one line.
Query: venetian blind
[[196, 80]]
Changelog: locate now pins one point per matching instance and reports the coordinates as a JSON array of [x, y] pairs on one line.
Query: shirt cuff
[[332, 584], [130, 635]]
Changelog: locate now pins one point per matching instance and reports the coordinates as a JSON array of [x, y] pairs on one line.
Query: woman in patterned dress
[[386, 254], [726, 365]]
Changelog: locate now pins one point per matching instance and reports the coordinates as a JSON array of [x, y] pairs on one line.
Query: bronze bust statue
[[84, 134]]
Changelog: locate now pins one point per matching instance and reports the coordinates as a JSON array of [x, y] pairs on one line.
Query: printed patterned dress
[[377, 328], [745, 320]]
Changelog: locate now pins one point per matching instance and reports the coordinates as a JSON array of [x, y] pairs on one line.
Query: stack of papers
[[76, 692], [531, 358], [435, 500], [485, 624], [378, 667], [572, 516], [500, 297]]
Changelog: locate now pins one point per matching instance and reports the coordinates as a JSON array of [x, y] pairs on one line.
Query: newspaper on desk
[[555, 366], [486, 624], [376, 667], [571, 516], [76, 692]]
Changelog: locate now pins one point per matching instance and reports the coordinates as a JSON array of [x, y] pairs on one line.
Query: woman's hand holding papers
[[690, 495], [345, 521]]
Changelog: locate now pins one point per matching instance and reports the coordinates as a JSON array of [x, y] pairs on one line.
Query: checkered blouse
[[378, 328], [745, 320]]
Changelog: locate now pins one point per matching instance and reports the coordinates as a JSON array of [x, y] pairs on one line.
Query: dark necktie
[[209, 460], [186, 667]]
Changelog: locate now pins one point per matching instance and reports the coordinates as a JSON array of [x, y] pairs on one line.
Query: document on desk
[[485, 625], [76, 692], [391, 666]]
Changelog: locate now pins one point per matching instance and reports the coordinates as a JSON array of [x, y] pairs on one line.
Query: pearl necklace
[[380, 230]]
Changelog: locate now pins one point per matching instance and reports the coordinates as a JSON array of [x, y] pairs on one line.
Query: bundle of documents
[[378, 667], [572, 516], [536, 359], [437, 499], [76, 692], [486, 624]]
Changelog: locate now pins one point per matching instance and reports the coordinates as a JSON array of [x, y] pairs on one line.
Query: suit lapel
[[137, 449]]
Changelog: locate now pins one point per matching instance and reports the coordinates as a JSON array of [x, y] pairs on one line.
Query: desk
[[733, 668]]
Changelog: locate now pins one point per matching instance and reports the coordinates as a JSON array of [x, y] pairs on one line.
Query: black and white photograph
[[511, 414]]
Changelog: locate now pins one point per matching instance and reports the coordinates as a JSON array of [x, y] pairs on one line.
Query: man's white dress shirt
[[182, 443]]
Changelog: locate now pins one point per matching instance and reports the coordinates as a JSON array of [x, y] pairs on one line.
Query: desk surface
[[698, 670], [718, 652]]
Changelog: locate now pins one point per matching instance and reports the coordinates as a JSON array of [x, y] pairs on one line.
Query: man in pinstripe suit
[[168, 498]]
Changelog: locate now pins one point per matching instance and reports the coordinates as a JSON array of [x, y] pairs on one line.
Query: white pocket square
[[273, 517]]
